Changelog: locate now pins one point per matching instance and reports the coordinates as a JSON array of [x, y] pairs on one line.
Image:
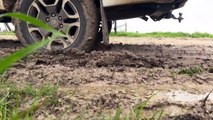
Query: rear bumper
[[111, 3], [143, 9]]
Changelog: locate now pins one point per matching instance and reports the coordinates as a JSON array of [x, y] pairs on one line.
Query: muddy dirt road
[[123, 75]]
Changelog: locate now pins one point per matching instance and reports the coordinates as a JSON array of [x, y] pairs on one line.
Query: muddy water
[[123, 75]]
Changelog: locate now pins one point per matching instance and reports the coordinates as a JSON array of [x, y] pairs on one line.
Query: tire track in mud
[[100, 75], [136, 56], [116, 63], [149, 56]]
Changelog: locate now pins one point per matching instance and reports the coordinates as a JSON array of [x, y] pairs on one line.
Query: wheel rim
[[60, 14]]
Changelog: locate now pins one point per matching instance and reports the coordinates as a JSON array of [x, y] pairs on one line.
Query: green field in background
[[152, 34], [162, 34]]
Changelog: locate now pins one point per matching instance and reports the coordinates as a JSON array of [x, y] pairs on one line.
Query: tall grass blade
[[118, 114], [160, 115], [6, 62], [140, 109], [33, 21]]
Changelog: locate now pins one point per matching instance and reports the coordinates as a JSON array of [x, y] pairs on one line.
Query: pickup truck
[[82, 20]]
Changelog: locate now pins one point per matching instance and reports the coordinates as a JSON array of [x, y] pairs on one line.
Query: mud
[[8, 5], [124, 75]]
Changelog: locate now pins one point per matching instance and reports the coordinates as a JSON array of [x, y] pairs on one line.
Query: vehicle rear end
[[156, 9]]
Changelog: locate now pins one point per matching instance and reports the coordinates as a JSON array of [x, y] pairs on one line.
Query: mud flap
[[105, 31]]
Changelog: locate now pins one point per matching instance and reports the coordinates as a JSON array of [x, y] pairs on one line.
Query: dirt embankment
[[123, 75]]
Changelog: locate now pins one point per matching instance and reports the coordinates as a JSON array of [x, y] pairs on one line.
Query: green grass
[[152, 34], [11, 96], [163, 34], [192, 71], [13, 100], [137, 112]]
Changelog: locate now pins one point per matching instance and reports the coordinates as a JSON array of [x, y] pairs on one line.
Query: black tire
[[88, 20]]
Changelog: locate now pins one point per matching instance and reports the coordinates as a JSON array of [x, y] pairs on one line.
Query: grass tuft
[[192, 71], [14, 100], [138, 112]]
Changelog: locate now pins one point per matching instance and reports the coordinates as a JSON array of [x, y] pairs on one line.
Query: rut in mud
[[124, 75]]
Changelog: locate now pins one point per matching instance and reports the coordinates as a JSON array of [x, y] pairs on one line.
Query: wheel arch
[[9, 5]]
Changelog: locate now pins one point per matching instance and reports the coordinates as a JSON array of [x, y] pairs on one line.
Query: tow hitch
[[167, 16], [179, 18]]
